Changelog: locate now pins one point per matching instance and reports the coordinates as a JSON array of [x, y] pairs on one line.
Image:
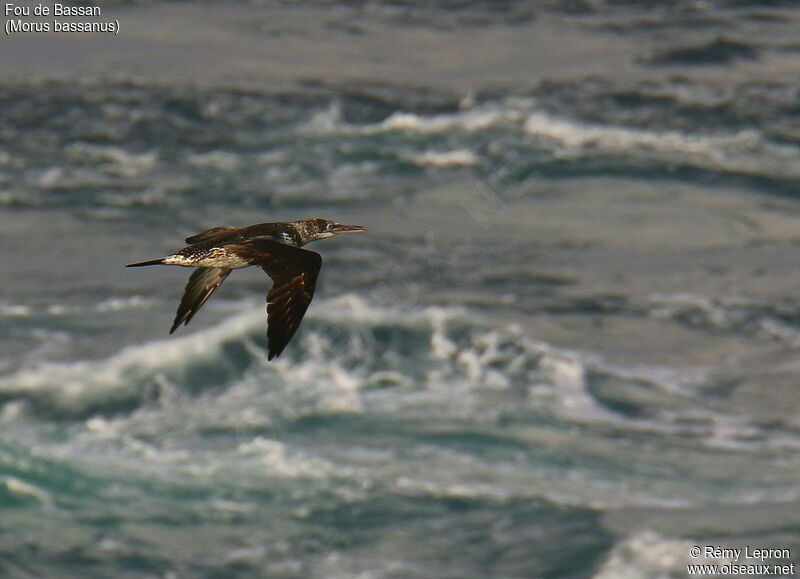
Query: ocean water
[[568, 346]]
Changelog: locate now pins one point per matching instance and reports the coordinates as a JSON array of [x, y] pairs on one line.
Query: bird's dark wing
[[294, 274], [203, 282], [213, 234]]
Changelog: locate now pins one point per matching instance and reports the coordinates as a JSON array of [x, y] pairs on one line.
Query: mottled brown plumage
[[276, 248]]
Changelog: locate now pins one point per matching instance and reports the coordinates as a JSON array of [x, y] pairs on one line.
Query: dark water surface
[[569, 345]]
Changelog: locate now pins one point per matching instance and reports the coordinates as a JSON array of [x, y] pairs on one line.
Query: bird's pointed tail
[[143, 263]]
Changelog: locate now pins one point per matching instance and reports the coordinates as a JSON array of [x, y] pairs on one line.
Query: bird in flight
[[275, 248]]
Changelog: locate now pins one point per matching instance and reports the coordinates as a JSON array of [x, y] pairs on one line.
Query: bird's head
[[322, 228]]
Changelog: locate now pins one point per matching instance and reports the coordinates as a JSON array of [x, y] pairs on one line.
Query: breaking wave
[[355, 358]]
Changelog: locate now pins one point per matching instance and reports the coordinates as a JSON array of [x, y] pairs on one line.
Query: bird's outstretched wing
[[294, 274], [203, 282], [213, 234]]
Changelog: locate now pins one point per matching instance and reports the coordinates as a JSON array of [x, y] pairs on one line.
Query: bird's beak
[[339, 228]]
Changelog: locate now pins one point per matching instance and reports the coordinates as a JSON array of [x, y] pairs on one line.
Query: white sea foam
[[25, 489], [339, 361], [745, 151], [485, 358], [351, 357], [73, 385], [576, 135], [280, 460], [484, 491], [454, 158], [125, 163], [121, 304], [110, 305], [647, 554], [479, 118], [568, 374], [442, 347], [476, 119], [349, 309], [8, 310], [219, 160], [326, 121], [50, 177]]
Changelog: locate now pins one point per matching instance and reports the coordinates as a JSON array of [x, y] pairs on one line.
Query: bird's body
[[276, 248]]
